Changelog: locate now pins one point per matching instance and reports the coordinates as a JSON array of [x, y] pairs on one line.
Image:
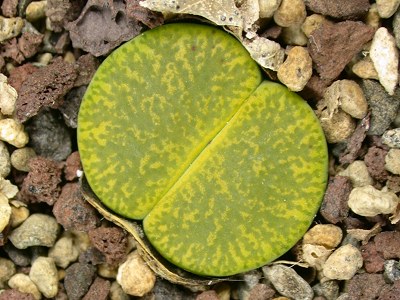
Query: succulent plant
[[179, 129]]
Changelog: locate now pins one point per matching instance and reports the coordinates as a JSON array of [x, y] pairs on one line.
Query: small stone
[[70, 107], [293, 35], [315, 255], [339, 9], [93, 256], [375, 162], [392, 138], [328, 289], [260, 291], [134, 276], [64, 252], [338, 126], [73, 166], [87, 65], [365, 69], [7, 269], [369, 202], [290, 13], [288, 283], [44, 274], [8, 96], [357, 171], [387, 8], [373, 260], [296, 69], [36, 10], [372, 18], [20, 158], [208, 295], [24, 284], [223, 290], [37, 230], [18, 214], [20, 258], [7, 188], [392, 270], [117, 293], [107, 271], [78, 279], [326, 235], [13, 133], [250, 279], [13, 294], [99, 290], [5, 212], [19, 74], [267, 53], [390, 292], [343, 263], [10, 27], [388, 243], [392, 160], [385, 56], [365, 286], [312, 22], [5, 163], [268, 8], [9, 8], [396, 28]]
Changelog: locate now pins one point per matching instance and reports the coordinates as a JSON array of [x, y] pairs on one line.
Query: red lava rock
[[42, 184], [72, 211], [112, 24], [9, 8], [14, 294], [355, 142], [341, 9], [45, 88], [375, 162], [72, 165], [208, 295], [332, 46], [373, 260], [19, 74], [98, 290], [87, 66], [393, 183], [390, 292], [388, 243], [334, 207], [272, 32], [314, 89], [78, 279], [366, 286], [261, 291], [29, 43], [111, 241], [142, 14], [9, 49]]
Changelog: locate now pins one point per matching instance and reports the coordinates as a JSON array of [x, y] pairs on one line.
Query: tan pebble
[[290, 12], [358, 173], [347, 95], [36, 10], [69, 57], [61, 274], [268, 8], [5, 161], [7, 188], [7, 269], [10, 27], [223, 291], [373, 19], [327, 235], [313, 22], [44, 274], [296, 70], [64, 252], [8, 96], [365, 69], [5, 212], [18, 215], [81, 240], [20, 158], [384, 55], [134, 276], [343, 263], [24, 284], [368, 202], [337, 127], [107, 270], [117, 293], [315, 255], [392, 161], [293, 35], [45, 58], [13, 133], [387, 8]]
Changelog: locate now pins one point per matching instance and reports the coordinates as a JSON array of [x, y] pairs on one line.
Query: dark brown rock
[[70, 106], [93, 256], [61, 294], [72, 166], [9, 8], [112, 242], [45, 88], [29, 43], [21, 258], [42, 184], [61, 12], [261, 291], [314, 89], [19, 74], [72, 211], [332, 46], [334, 207], [87, 66], [341, 9], [98, 290], [208, 295], [375, 162], [388, 243], [14, 294], [78, 279], [393, 183], [373, 260], [366, 286], [390, 292], [142, 14], [9, 50]]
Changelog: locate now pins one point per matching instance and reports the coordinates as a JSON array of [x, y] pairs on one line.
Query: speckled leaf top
[[178, 129]]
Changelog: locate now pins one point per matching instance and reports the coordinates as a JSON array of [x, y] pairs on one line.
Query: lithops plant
[[222, 170]]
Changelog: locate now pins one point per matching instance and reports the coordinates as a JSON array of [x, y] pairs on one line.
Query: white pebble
[[392, 161], [13, 133], [134, 276], [327, 235], [7, 188], [358, 173], [384, 55], [290, 12], [24, 284], [8, 96], [267, 53], [20, 158], [5, 162], [64, 251], [44, 274], [268, 8], [343, 263], [10, 27], [392, 138], [387, 8], [18, 215], [315, 255], [5, 212], [368, 202], [296, 70]]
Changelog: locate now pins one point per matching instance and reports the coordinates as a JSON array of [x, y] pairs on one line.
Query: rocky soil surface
[[341, 56]]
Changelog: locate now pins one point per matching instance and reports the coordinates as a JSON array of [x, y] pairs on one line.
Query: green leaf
[[178, 129]]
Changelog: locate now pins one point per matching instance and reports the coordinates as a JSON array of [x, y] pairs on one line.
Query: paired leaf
[[176, 128]]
